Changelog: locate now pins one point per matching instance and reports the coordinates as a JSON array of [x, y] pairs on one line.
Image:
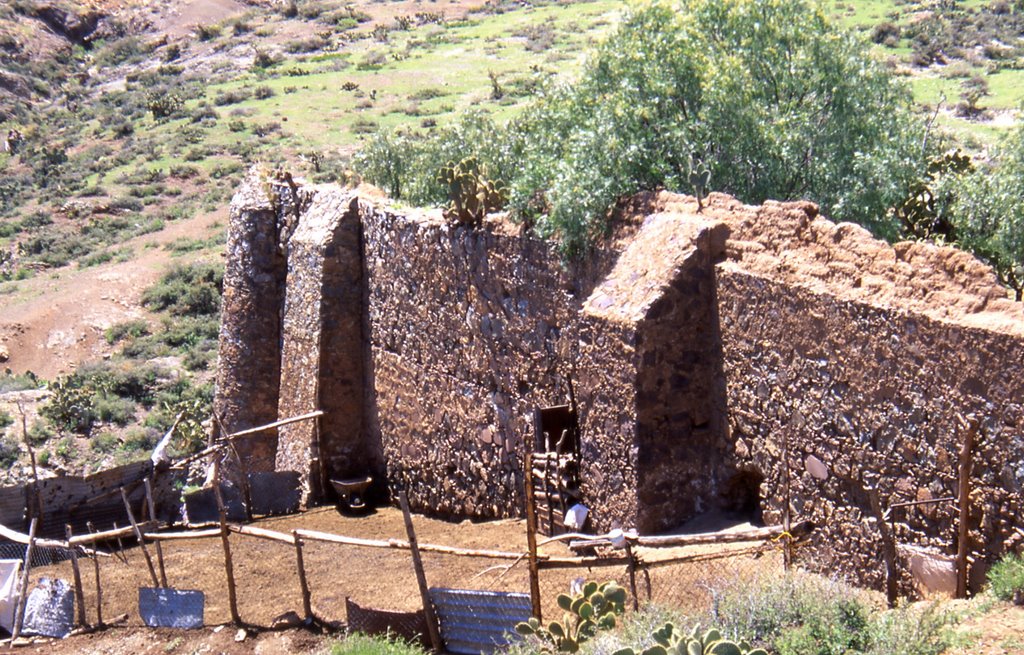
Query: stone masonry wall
[[660, 422], [250, 332], [322, 351], [873, 394], [466, 328]]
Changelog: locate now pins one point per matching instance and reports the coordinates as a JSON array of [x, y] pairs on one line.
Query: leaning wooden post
[[77, 576], [531, 539], [152, 516], [421, 576], [964, 501], [307, 603], [140, 537], [888, 547], [19, 612], [631, 569], [96, 569], [229, 568]]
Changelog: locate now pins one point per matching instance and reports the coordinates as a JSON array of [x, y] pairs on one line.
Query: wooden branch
[[139, 536], [706, 538], [271, 426], [229, 568], [24, 539], [263, 533], [106, 535], [421, 578], [175, 536], [77, 577], [531, 540], [26, 569], [307, 597], [964, 505], [152, 515], [99, 590], [222, 442]]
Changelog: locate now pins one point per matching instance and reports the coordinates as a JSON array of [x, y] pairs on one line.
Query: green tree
[[987, 211], [772, 98]]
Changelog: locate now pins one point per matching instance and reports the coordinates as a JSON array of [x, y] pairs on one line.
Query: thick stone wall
[[322, 350], [873, 393], [466, 328], [249, 365], [655, 420]]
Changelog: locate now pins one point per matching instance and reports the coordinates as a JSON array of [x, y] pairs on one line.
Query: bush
[[5, 419], [192, 290], [1006, 579], [9, 452], [986, 208]]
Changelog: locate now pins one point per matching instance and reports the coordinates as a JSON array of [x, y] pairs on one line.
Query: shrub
[[986, 207], [70, 406], [1006, 579], [105, 442], [39, 433], [119, 411], [5, 419], [263, 92], [192, 290], [9, 452], [206, 32]]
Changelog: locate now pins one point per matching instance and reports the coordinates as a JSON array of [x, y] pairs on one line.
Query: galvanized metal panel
[[474, 622], [171, 608]]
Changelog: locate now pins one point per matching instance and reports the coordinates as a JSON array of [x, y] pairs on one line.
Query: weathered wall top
[[790, 242], [650, 264]]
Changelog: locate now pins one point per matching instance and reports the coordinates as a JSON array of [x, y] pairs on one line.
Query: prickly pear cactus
[[470, 194], [670, 641], [585, 613], [700, 179]]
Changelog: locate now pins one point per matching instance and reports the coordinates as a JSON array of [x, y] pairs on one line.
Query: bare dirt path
[[57, 319]]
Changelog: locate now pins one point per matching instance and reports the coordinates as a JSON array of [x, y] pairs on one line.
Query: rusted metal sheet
[[474, 622]]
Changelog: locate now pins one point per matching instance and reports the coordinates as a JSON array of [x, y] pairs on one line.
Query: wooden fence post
[[19, 612], [888, 547], [77, 576], [531, 539], [421, 576], [229, 568], [970, 424], [307, 603], [152, 517], [96, 569], [140, 537]]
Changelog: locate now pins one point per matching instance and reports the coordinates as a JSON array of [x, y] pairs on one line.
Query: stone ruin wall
[[861, 354], [697, 344], [250, 330]]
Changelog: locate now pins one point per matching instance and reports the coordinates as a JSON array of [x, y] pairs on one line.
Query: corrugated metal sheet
[[474, 622]]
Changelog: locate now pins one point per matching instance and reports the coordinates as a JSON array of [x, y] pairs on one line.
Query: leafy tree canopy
[[772, 98]]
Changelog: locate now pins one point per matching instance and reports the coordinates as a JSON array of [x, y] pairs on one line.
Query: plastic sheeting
[[9, 569]]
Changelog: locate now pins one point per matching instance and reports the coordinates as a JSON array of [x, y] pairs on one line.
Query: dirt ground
[[268, 584]]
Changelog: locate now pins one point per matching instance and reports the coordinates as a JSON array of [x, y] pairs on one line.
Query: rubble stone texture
[[322, 351], [250, 331], [711, 354]]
